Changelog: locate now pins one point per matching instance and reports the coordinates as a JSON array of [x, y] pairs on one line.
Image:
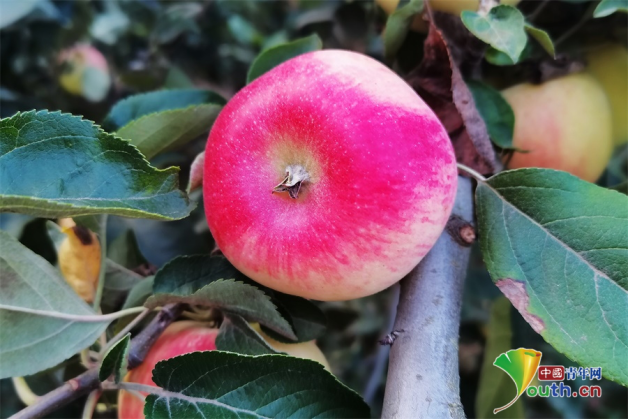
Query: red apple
[[190, 336], [328, 177]]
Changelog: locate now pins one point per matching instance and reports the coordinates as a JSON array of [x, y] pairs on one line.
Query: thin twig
[[143, 342], [102, 238], [584, 19], [90, 404], [542, 5], [68, 392], [382, 355], [423, 378], [88, 381], [472, 172], [124, 331]]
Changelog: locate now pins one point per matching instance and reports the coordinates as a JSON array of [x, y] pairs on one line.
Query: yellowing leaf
[[79, 260]]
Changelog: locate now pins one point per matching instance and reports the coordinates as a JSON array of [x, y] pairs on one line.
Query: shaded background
[[150, 44]]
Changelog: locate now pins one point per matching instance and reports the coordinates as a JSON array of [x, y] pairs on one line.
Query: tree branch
[[423, 378], [88, 381]]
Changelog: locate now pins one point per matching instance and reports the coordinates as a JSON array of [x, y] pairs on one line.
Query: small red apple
[[184, 337], [328, 177]]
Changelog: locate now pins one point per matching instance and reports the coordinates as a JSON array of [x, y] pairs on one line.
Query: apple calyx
[[295, 176]]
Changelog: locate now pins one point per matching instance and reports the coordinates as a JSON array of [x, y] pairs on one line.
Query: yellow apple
[[306, 350], [457, 6], [608, 64], [448, 6], [564, 124]]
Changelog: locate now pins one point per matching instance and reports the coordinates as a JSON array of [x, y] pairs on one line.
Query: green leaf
[[398, 25], [502, 28], [236, 335], [135, 298], [118, 283], [139, 293], [495, 111], [307, 320], [167, 130], [556, 246], [58, 165], [496, 388], [162, 120], [124, 250], [608, 7], [136, 106], [175, 20], [115, 360], [542, 37], [31, 342], [243, 31], [212, 282], [177, 79], [221, 384], [276, 55], [499, 58]]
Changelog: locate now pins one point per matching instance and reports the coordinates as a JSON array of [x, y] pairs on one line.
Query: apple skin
[[454, 7], [565, 124], [306, 350], [382, 174], [187, 336], [608, 64], [78, 60]]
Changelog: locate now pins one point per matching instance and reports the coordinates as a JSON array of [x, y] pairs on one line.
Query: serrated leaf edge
[[125, 352], [148, 301], [216, 351], [134, 151]]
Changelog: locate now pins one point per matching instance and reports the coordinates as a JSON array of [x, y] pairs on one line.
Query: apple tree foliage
[[554, 245]]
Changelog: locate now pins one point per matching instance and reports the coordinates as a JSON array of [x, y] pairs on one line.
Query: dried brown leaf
[[438, 80]]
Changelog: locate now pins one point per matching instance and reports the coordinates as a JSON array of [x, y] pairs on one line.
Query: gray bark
[[423, 378]]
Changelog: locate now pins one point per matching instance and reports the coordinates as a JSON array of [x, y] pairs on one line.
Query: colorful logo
[[521, 365]]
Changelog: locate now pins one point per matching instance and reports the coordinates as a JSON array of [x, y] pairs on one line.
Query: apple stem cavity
[[295, 176]]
